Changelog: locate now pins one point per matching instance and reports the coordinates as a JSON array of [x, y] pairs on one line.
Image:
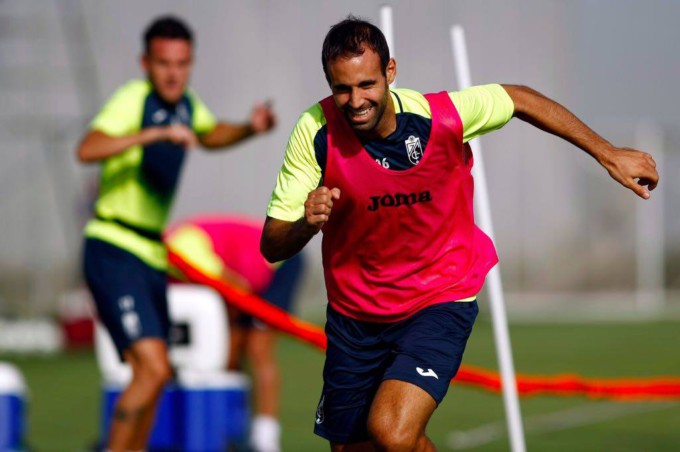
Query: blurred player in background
[[140, 137], [387, 175], [228, 248]]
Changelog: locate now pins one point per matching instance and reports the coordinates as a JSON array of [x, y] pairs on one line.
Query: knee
[[154, 372], [392, 437]]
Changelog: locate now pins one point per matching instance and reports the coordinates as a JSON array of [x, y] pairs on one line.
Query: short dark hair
[[351, 37], [167, 27]]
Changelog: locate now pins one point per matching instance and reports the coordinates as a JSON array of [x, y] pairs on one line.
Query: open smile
[[359, 115]]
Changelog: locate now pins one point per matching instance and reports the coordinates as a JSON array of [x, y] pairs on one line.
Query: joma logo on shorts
[[399, 199]]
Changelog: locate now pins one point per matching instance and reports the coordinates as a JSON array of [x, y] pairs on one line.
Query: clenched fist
[[319, 205], [262, 119]]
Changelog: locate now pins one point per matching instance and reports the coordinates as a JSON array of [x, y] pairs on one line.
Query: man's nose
[[355, 99], [174, 71]]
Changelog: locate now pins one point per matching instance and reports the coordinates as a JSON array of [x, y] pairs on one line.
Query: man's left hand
[[262, 119], [633, 169]]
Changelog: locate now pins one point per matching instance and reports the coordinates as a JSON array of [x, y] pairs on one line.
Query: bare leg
[[136, 407], [265, 435], [399, 414], [260, 348], [397, 420], [237, 339]]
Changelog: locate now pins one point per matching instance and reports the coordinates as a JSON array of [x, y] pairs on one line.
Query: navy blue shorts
[[425, 350], [130, 296], [281, 291]]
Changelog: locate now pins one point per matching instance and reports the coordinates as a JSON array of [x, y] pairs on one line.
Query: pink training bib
[[399, 241]]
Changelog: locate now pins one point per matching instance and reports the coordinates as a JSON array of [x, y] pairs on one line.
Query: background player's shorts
[[130, 296], [281, 291], [425, 350]]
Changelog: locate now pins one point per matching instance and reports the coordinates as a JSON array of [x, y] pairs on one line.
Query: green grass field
[[65, 393]]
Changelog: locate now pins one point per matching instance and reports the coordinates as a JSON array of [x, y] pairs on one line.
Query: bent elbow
[[268, 251], [81, 155], [85, 151], [94, 146]]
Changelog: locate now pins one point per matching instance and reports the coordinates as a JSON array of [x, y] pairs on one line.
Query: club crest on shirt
[[414, 150], [159, 116]]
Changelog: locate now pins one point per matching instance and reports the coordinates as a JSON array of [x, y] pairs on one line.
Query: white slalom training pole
[[388, 31], [497, 303], [650, 255]]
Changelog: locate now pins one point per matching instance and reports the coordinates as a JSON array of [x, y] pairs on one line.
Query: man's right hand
[[180, 134], [319, 205], [282, 239]]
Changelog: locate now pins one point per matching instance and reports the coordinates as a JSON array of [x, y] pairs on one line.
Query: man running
[[387, 175]]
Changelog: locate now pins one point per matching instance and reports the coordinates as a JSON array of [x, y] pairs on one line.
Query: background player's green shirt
[[137, 186], [482, 109]]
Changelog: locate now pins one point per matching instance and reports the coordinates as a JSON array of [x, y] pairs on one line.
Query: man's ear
[[144, 61], [391, 71]]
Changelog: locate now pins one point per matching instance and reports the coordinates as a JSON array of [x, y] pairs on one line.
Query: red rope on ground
[[625, 389], [252, 304]]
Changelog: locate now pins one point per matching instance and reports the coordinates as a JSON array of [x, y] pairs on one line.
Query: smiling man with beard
[[386, 175]]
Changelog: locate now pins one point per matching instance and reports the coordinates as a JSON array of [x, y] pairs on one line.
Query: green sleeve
[[203, 121], [300, 172], [482, 109], [122, 113]]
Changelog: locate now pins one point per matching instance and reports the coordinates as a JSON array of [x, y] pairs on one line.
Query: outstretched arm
[[225, 134], [631, 168], [283, 239]]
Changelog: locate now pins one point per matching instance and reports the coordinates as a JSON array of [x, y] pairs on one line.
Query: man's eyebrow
[[361, 84], [367, 82]]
